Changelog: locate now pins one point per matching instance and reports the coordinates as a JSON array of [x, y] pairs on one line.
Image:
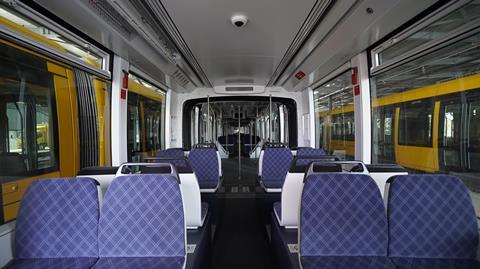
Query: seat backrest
[[171, 152], [275, 164], [12, 164], [310, 152], [204, 162], [431, 216], [58, 218], [292, 188], [342, 214], [142, 216], [189, 187]]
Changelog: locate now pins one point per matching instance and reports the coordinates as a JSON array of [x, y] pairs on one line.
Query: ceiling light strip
[[308, 26]]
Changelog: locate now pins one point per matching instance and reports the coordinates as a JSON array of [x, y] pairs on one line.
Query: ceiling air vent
[[239, 81], [180, 78], [239, 89], [104, 9]]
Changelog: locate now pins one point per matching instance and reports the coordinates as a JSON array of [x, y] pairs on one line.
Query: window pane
[[83, 52], [474, 137], [416, 124], [146, 119], [27, 114], [436, 98], [436, 30], [334, 116]]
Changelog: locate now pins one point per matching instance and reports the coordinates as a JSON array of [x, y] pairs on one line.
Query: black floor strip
[[241, 240]]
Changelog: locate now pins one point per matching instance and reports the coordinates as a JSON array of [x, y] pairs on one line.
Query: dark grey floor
[[240, 239]]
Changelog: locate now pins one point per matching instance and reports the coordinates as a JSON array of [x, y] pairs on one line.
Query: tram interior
[[307, 134]]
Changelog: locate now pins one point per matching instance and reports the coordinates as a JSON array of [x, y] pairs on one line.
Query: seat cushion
[[346, 262], [415, 263], [277, 209], [143, 263], [53, 263]]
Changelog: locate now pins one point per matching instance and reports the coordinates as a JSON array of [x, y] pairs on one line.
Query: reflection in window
[[83, 52], [27, 114], [438, 29], [145, 119], [416, 124], [436, 97], [334, 116]]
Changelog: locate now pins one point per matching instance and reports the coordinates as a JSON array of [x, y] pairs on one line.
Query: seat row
[[141, 224], [275, 160], [286, 210], [428, 222], [205, 161]]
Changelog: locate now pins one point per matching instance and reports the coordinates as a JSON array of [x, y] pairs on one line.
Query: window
[[28, 119], [474, 137], [334, 116], [146, 119], [439, 28], [66, 43], [435, 93], [416, 124]]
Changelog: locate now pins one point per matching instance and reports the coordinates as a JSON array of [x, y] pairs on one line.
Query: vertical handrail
[[239, 149], [270, 120], [208, 120]]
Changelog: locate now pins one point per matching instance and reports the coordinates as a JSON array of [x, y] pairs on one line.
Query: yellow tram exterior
[[424, 158], [67, 133]]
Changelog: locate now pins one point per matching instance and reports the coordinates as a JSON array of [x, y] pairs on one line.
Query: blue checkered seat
[[343, 223], [171, 153], [286, 211], [275, 164], [57, 225], [306, 151], [142, 223], [432, 223], [205, 164]]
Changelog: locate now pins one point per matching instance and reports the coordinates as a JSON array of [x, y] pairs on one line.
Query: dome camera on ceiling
[[239, 20]]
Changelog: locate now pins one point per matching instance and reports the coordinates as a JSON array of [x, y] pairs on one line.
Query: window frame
[[426, 48]]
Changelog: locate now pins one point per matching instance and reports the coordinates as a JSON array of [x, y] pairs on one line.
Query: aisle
[[241, 240]]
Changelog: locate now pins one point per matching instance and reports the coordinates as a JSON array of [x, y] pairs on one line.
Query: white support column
[[168, 120], [119, 112], [363, 125]]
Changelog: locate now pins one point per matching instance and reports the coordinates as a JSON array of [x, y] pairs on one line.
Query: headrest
[[182, 164], [300, 164], [274, 145], [147, 168], [336, 167], [385, 168], [98, 170], [326, 168], [205, 146]]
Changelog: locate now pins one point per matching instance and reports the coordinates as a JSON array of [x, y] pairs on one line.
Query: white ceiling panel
[[228, 53]]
